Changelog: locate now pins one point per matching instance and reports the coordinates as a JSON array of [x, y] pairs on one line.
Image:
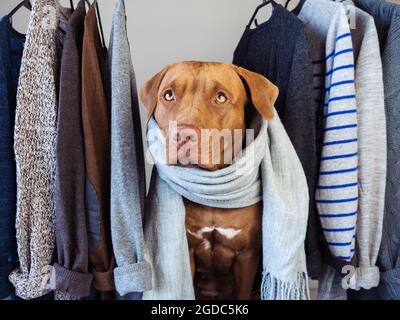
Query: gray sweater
[[371, 147], [128, 187]]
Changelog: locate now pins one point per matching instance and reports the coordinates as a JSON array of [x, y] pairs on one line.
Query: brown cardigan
[[95, 116]]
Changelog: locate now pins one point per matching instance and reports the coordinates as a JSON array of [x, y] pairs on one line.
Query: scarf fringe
[[275, 289]]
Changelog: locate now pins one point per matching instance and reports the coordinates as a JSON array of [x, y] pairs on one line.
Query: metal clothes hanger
[[100, 25], [287, 3], [98, 20], [25, 3], [253, 18], [297, 8]]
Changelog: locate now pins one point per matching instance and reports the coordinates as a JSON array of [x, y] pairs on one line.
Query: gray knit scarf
[[268, 169]]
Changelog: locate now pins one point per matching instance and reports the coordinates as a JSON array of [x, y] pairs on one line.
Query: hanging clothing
[[128, 184], [371, 149], [95, 116], [372, 156], [279, 50], [11, 48], [337, 191], [35, 150], [387, 21], [275, 176], [71, 269]]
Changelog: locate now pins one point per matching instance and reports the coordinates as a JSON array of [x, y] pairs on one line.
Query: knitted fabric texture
[[269, 170], [35, 150], [279, 50], [128, 187], [372, 153]]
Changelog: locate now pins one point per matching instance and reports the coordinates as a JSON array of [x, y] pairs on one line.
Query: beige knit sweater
[[35, 137]]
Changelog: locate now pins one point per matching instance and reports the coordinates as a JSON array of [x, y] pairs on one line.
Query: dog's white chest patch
[[199, 233], [228, 233], [206, 244]]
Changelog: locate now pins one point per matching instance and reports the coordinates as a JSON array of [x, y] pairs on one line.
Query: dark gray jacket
[[387, 20], [72, 275]]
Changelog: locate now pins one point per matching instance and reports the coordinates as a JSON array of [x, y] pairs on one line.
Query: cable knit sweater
[[34, 143]]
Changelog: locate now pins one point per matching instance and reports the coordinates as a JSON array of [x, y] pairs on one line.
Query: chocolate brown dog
[[224, 244]]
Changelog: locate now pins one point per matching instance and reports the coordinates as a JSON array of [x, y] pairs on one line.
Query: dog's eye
[[221, 98], [169, 95]]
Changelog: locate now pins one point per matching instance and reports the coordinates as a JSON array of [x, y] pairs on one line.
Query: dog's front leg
[[192, 264], [245, 269]]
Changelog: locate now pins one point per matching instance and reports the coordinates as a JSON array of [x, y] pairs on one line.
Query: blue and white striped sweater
[[337, 192], [334, 84]]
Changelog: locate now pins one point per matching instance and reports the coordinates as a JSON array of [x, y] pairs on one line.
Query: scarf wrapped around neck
[[268, 169]]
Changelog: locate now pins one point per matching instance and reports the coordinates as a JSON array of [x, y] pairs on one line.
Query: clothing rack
[[333, 104]]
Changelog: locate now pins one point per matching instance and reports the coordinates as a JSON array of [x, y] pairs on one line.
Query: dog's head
[[197, 105]]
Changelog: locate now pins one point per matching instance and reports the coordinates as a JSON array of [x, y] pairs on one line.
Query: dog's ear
[[149, 92], [263, 93]]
